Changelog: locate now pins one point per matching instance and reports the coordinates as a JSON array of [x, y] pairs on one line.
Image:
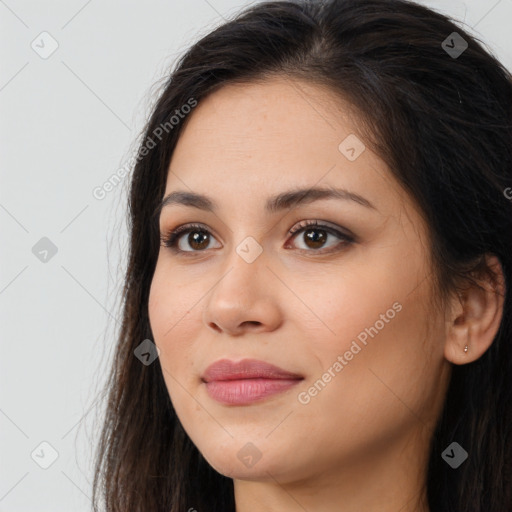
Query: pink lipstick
[[246, 381]]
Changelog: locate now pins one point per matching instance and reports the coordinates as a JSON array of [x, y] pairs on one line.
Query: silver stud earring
[[466, 348]]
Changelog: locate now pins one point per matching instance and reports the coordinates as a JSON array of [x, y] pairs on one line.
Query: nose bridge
[[245, 264], [240, 294], [249, 250]]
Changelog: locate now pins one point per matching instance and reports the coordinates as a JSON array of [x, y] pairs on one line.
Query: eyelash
[[171, 240]]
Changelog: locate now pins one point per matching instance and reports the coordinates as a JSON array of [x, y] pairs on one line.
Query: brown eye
[[316, 235], [198, 238], [315, 238]]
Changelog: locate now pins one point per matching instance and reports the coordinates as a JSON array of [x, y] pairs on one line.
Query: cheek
[[377, 324], [173, 298], [174, 323], [176, 329], [344, 305], [172, 332]]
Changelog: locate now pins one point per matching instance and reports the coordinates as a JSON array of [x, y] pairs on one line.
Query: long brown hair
[[443, 124]]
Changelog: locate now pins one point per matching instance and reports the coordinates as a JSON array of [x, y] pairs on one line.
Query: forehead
[[248, 141], [274, 121]]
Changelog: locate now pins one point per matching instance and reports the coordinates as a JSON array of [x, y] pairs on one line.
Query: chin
[[244, 463]]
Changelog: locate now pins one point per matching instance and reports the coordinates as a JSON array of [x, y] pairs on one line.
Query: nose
[[245, 296]]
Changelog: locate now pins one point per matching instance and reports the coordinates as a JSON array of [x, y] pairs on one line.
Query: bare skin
[[361, 441]]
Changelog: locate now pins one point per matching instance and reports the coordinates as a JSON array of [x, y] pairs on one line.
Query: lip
[[246, 381]]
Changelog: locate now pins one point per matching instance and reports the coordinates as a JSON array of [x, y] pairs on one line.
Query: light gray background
[[68, 122]]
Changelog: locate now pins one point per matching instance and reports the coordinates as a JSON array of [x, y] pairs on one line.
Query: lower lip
[[246, 391]]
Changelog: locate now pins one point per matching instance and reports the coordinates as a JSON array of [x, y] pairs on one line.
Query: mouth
[[246, 381]]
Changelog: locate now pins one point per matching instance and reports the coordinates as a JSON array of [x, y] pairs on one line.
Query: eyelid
[[301, 224]]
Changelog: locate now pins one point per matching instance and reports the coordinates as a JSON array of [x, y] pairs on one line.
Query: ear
[[476, 315]]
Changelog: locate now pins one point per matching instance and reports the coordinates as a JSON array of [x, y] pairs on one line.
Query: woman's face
[[342, 305]]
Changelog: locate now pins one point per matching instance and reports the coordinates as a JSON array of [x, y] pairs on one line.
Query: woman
[[316, 313]]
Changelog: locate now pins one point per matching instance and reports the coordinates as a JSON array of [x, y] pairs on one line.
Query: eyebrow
[[274, 204]]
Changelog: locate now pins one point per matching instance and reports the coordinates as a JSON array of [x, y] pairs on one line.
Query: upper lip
[[225, 369]]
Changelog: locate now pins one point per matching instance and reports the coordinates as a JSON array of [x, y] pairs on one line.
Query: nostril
[[252, 322]]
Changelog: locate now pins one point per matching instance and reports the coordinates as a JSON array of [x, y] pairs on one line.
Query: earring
[[466, 348]]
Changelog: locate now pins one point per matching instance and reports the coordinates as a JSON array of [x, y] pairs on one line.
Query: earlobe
[[476, 316]]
